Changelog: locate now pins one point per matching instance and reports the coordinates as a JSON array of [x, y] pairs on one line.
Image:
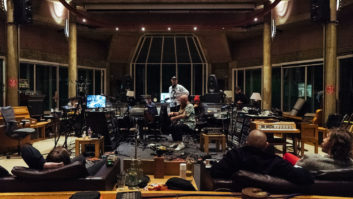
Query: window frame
[[57, 65], [199, 51], [286, 65]]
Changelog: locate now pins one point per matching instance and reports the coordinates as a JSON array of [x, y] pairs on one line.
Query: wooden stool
[[206, 138], [98, 144]]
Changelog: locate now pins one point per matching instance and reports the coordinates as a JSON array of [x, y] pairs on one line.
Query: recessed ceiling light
[[256, 19], [169, 28], [143, 29], [116, 28], [195, 28], [84, 20]]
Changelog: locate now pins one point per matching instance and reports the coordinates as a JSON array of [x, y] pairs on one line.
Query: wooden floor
[[149, 194]]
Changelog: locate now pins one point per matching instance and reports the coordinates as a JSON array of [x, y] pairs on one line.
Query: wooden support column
[[72, 57], [267, 65], [330, 60], [12, 59]]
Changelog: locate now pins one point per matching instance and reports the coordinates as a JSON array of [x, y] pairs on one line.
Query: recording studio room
[[176, 99]]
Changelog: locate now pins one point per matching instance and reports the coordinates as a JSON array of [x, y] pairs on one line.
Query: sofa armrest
[[206, 181], [242, 179]]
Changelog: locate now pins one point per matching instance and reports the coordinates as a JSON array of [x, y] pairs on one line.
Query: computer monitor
[[164, 96], [96, 101]]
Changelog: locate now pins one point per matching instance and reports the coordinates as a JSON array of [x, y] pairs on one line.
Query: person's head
[[197, 99], [257, 139], [148, 99], [237, 90], [338, 144], [59, 154], [174, 80], [183, 100]]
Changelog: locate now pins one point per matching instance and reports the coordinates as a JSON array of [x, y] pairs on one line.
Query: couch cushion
[[334, 175], [73, 170], [4, 172]]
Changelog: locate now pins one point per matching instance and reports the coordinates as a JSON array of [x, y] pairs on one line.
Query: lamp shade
[[130, 93], [256, 96]]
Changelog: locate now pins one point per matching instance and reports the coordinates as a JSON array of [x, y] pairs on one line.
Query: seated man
[[253, 157], [200, 114], [182, 121], [338, 146], [200, 109], [151, 106]]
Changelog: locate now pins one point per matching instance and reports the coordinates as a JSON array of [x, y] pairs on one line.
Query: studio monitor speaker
[[320, 11], [212, 84]]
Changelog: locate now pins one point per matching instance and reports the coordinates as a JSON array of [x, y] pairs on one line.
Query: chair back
[[309, 131], [318, 117], [148, 117], [9, 117], [8, 114]]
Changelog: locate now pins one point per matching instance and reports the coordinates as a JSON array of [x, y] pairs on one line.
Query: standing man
[[175, 91]]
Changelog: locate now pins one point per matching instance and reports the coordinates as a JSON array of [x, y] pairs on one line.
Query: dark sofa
[[66, 178], [334, 183]]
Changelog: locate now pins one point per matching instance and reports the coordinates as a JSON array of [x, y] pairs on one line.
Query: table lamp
[[256, 98]]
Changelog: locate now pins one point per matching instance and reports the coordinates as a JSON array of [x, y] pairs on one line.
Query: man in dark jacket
[[253, 157], [240, 100]]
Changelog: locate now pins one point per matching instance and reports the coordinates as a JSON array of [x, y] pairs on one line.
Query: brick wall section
[[48, 44], [302, 42]]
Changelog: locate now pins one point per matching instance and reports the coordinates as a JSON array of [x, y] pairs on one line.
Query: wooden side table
[[98, 144], [206, 138]]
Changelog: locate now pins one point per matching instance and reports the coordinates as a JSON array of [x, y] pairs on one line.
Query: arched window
[[159, 57]]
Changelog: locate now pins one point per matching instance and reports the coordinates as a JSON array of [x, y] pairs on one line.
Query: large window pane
[[98, 83], [103, 82], [314, 87], [155, 52], [253, 81], [294, 86], [182, 50], [346, 86], [140, 76], [27, 72], [168, 71], [276, 87], [184, 75], [193, 52], [241, 79], [153, 82], [46, 84], [86, 75], [144, 51], [169, 50], [1, 83], [197, 79], [63, 86]]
